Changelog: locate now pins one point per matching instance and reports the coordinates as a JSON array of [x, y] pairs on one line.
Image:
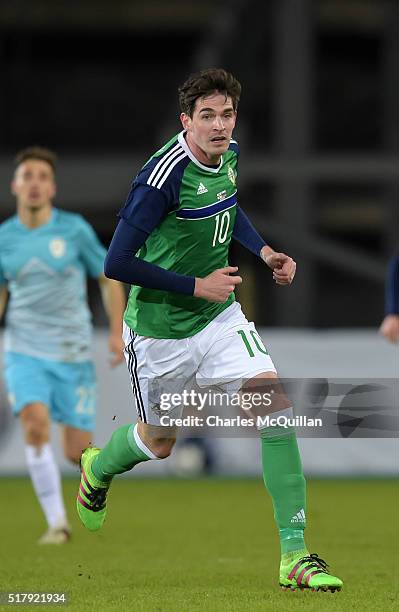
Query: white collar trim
[[191, 155]]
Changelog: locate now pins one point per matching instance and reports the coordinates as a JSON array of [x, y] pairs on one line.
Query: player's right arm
[[144, 210], [390, 325], [122, 264], [217, 286]]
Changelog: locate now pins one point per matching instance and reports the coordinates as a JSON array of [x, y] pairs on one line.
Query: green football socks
[[123, 451], [284, 479]]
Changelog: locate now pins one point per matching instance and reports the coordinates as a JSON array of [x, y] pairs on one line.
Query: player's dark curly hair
[[39, 153], [205, 83]]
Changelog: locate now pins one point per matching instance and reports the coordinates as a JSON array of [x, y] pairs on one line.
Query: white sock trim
[[141, 444], [287, 413]]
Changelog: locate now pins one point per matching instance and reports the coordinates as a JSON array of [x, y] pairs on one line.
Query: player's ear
[[185, 121], [12, 188]]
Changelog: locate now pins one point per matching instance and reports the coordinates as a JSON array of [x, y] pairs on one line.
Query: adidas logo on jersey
[[201, 189], [299, 517]]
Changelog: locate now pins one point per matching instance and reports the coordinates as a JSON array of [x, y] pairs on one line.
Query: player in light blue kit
[[46, 255]]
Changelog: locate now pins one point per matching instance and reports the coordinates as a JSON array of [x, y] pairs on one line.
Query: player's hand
[[116, 346], [390, 328], [283, 266], [217, 286]]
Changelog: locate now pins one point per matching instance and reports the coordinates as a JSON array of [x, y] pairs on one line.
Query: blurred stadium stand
[[318, 126]]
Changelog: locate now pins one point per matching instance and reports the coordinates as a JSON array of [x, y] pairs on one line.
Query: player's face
[[210, 128], [33, 184]]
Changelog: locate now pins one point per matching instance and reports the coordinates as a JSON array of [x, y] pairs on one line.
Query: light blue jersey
[[45, 270]]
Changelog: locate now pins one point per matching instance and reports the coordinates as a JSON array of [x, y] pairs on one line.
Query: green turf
[[180, 545]]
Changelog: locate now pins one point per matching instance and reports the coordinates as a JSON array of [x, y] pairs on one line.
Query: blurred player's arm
[[3, 299], [114, 301], [283, 266], [3, 292], [92, 254], [390, 325]]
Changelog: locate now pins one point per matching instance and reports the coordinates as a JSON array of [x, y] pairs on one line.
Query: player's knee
[[162, 448], [36, 428], [159, 440], [36, 433], [275, 398]]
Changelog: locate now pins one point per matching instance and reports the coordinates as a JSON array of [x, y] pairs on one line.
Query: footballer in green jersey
[[192, 239], [182, 322]]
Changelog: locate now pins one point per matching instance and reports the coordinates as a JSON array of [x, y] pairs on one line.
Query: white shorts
[[223, 355]]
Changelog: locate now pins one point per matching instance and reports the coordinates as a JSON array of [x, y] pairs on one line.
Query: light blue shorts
[[67, 389]]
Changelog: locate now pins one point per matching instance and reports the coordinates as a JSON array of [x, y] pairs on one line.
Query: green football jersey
[[192, 238]]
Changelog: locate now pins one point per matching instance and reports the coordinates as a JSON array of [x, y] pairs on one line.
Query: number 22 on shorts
[[85, 404]]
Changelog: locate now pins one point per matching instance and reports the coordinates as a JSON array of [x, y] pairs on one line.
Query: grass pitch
[[182, 545]]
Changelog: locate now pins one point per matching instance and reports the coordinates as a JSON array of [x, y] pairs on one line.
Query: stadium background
[[319, 134]]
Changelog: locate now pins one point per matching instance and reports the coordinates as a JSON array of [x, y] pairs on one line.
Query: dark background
[[318, 127]]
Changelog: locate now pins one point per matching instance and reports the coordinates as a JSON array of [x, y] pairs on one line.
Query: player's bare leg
[[284, 479], [160, 440], [44, 471], [74, 442]]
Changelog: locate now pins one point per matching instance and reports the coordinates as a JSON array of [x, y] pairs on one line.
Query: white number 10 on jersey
[[221, 228]]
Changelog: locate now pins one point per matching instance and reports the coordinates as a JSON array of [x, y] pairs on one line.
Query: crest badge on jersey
[[231, 174], [57, 247]]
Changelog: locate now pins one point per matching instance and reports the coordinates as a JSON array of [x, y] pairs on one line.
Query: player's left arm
[[3, 292], [3, 299], [114, 301], [283, 266]]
